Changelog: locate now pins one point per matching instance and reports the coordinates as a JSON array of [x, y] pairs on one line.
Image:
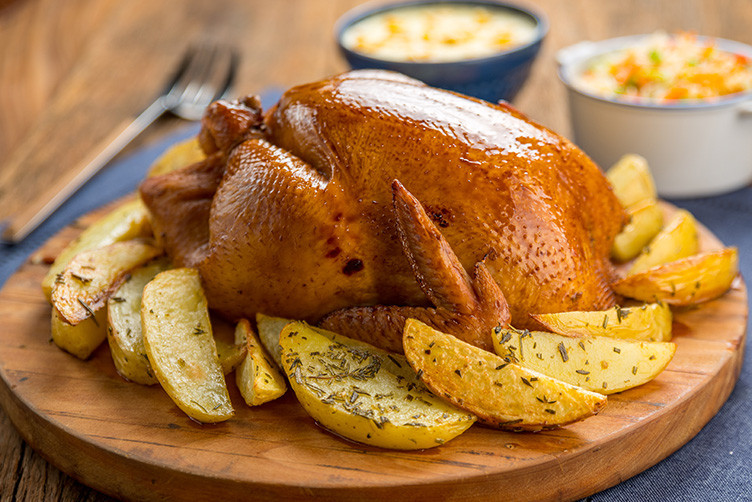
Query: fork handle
[[39, 209]]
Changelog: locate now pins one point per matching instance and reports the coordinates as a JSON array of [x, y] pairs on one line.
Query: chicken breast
[[294, 211]]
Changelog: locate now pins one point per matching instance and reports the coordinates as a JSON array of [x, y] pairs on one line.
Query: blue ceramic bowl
[[492, 78]]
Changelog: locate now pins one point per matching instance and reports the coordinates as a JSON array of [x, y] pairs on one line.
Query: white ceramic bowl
[[694, 149]]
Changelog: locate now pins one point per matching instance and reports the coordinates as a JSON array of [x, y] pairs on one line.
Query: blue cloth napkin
[[715, 465], [116, 180]]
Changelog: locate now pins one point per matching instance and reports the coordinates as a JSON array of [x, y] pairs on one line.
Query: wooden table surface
[[63, 62]]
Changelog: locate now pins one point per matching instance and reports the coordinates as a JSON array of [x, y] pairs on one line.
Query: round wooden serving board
[[132, 442]]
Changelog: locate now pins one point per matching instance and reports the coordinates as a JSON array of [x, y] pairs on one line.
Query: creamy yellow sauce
[[439, 33]]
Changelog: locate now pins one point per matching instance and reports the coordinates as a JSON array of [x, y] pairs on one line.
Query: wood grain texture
[[132, 442], [63, 94], [51, 58]]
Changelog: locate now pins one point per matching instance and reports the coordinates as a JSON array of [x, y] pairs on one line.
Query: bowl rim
[[368, 9], [569, 65]]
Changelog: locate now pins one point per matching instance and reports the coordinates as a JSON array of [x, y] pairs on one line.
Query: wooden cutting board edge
[[588, 470], [113, 472]]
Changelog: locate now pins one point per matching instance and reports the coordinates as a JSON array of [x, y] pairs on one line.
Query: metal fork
[[204, 75]]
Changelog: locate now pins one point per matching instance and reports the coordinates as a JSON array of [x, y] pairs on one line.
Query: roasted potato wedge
[[650, 322], [257, 377], [81, 339], [180, 345], [631, 179], [678, 239], [128, 221], [688, 281], [364, 393], [230, 351], [81, 291], [501, 393], [269, 329], [93, 275], [645, 221], [179, 155], [598, 364], [124, 332]]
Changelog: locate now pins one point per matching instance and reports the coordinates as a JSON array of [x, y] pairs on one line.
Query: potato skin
[[501, 393], [180, 345], [269, 329], [677, 240], [631, 180], [124, 332], [380, 400], [93, 275], [688, 281], [650, 322], [596, 363], [80, 293], [258, 378], [79, 339], [128, 221], [645, 222], [178, 156]]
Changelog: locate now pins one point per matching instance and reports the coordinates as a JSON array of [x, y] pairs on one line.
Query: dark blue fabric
[[715, 465], [116, 180]]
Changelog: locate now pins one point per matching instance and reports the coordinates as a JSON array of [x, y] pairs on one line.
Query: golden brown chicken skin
[[304, 220]]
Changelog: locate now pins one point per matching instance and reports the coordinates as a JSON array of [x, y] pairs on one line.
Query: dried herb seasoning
[[622, 313], [199, 405], [395, 360], [510, 422], [81, 279], [89, 311]]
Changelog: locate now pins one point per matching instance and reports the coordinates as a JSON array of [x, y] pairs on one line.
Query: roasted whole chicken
[[365, 199]]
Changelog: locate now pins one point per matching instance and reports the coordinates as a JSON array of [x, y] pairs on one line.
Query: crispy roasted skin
[[464, 306], [302, 222]]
